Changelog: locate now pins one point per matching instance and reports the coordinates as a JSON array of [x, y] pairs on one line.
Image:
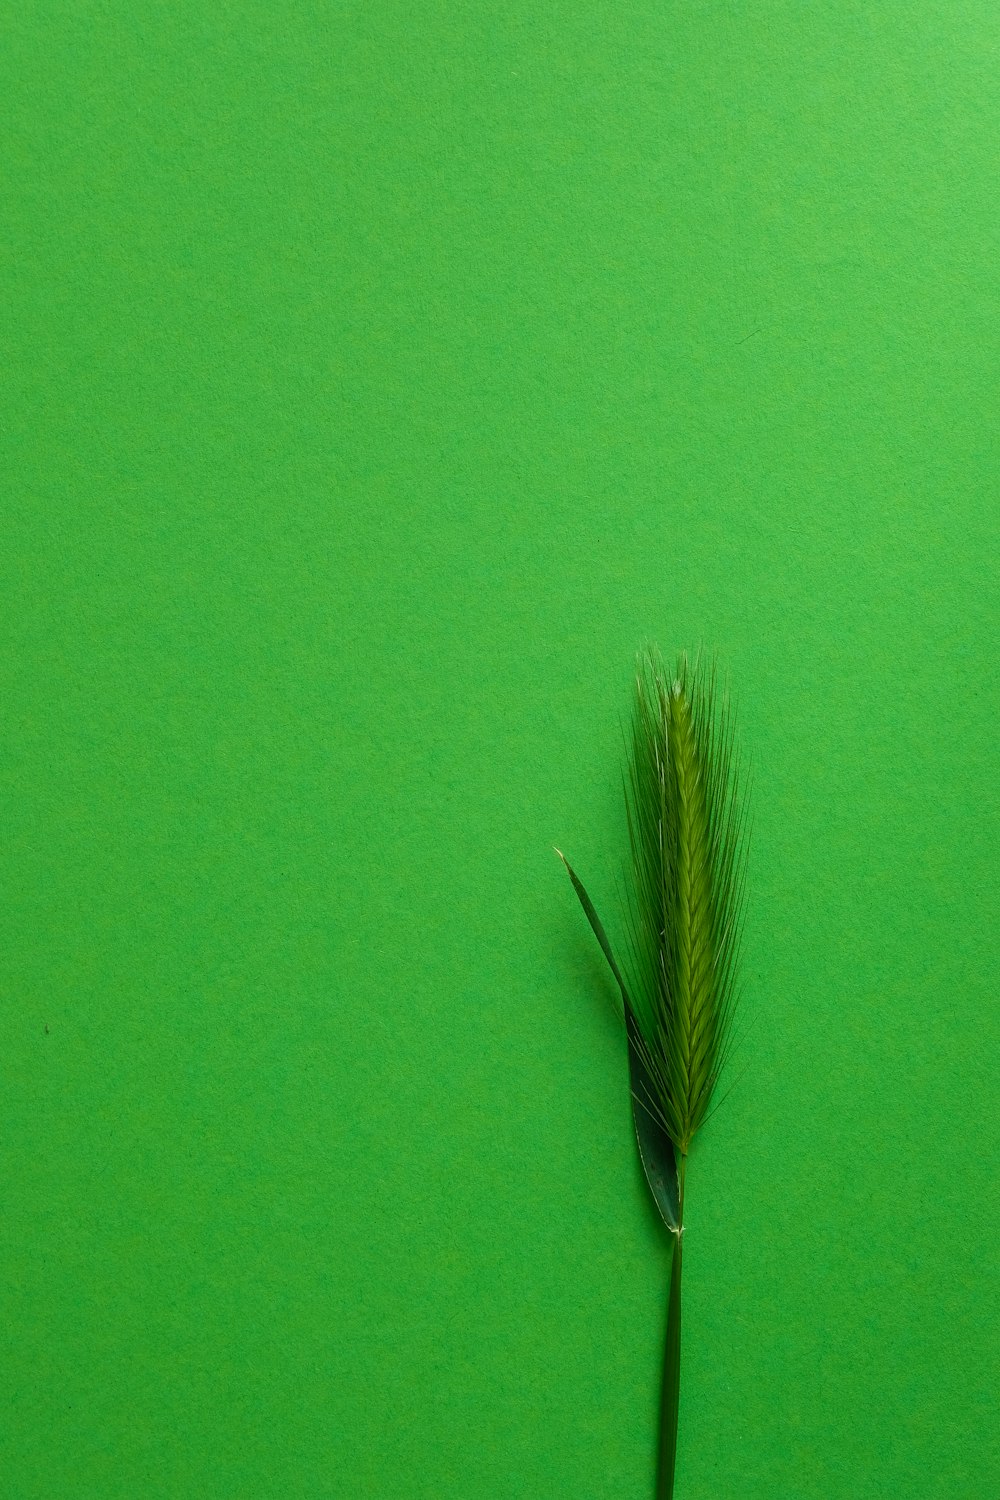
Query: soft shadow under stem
[[672, 1356]]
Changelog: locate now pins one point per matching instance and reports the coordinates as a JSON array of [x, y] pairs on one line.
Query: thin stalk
[[672, 1360]]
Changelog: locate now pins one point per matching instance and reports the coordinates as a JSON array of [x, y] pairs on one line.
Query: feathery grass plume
[[687, 831]]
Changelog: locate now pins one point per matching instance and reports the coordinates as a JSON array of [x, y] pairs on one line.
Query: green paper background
[[376, 379]]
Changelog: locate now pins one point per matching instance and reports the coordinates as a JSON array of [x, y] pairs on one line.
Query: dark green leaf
[[656, 1149], [597, 927]]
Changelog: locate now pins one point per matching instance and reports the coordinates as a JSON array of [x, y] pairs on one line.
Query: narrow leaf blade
[[596, 927], [656, 1149]]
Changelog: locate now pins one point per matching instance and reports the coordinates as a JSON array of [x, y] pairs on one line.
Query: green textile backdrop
[[376, 379]]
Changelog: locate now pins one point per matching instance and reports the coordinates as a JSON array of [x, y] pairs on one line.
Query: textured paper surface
[[376, 380]]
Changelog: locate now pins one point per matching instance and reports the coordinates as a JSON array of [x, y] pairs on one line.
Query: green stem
[[671, 1364]]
